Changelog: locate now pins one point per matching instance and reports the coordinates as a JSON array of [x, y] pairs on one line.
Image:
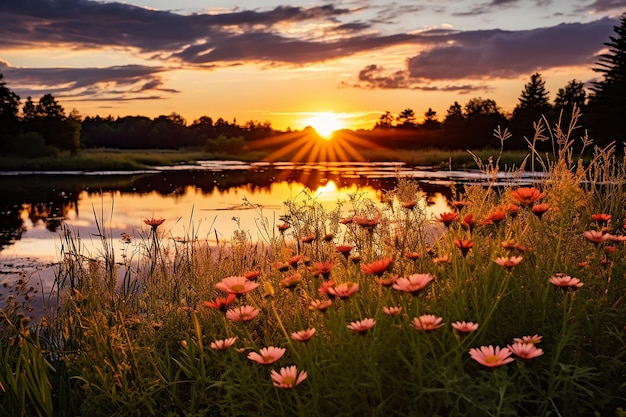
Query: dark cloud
[[502, 54], [605, 6], [118, 82]]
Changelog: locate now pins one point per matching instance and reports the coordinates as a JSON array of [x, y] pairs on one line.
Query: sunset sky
[[287, 61]]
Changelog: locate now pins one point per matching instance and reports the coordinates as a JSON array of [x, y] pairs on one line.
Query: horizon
[[294, 66]]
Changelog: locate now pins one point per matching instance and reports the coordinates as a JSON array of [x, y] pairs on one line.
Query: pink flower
[[325, 286], [427, 322], [510, 262], [534, 339], [490, 357], [320, 305], [323, 268], [362, 326], [288, 377], [392, 311], [464, 327], [223, 344], [267, 356], [413, 283], [377, 267], [595, 236], [525, 350], [303, 335], [565, 281], [236, 285], [344, 290], [242, 313], [291, 281]]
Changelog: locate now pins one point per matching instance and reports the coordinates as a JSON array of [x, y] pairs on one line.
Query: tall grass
[[142, 343]]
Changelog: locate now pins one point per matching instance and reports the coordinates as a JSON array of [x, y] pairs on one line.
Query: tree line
[[42, 128]]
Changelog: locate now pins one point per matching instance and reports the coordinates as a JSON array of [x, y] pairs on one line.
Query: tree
[[534, 96], [385, 120], [607, 101], [455, 113], [406, 118], [572, 95], [430, 120], [479, 107], [49, 108], [9, 108]]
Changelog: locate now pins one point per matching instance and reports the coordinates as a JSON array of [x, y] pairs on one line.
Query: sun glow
[[325, 124]]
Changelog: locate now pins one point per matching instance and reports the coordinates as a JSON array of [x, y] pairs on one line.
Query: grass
[[131, 333]]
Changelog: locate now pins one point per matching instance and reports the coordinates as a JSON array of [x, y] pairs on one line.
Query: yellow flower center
[[237, 288], [492, 359]]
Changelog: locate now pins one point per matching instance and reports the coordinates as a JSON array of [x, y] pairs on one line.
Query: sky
[[285, 62]]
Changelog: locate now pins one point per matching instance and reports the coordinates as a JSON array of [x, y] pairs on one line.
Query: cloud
[[128, 82], [605, 6]]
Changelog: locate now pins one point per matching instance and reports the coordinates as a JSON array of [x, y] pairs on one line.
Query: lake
[[207, 201]]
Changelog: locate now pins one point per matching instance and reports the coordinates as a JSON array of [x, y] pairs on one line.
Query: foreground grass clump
[[511, 303]]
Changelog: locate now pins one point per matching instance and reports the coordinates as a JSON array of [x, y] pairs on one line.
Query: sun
[[325, 124]]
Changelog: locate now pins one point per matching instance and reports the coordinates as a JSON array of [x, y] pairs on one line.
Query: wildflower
[[616, 238], [464, 326], [534, 339], [512, 244], [303, 335], [389, 281], [242, 313], [490, 357], [495, 217], [252, 275], [362, 326], [323, 268], [377, 267], [320, 305], [344, 250], [282, 227], [601, 218], [468, 221], [154, 223], [413, 283], [539, 209], [308, 238], [465, 245], [595, 236], [427, 322], [324, 286], [281, 266], [392, 311], [510, 262], [268, 290], [223, 344], [412, 255], [447, 218], [267, 356], [236, 285], [293, 262], [346, 220], [526, 196], [511, 209], [443, 259], [525, 350], [221, 303], [344, 290], [288, 377], [565, 281], [291, 281], [367, 222], [459, 204]]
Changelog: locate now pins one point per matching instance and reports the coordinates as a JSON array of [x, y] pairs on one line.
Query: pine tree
[[534, 96], [607, 102], [573, 94]]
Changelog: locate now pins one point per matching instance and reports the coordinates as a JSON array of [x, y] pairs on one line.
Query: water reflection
[[207, 202]]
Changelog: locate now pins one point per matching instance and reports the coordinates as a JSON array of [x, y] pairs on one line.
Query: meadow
[[510, 304]]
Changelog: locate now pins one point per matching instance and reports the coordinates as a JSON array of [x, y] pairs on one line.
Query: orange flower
[[362, 326], [367, 222], [534, 339], [303, 335], [154, 223], [223, 344], [282, 227], [267, 356], [490, 357], [495, 216], [509, 263], [465, 245], [526, 196], [252, 275], [347, 220], [469, 221], [601, 218], [412, 255], [464, 327], [525, 350], [344, 250], [291, 281], [389, 281], [413, 283], [324, 286], [447, 218], [308, 238], [377, 267], [511, 209], [410, 205], [323, 268], [427, 322], [221, 303], [392, 311], [539, 209], [459, 204], [236, 285], [288, 377]]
